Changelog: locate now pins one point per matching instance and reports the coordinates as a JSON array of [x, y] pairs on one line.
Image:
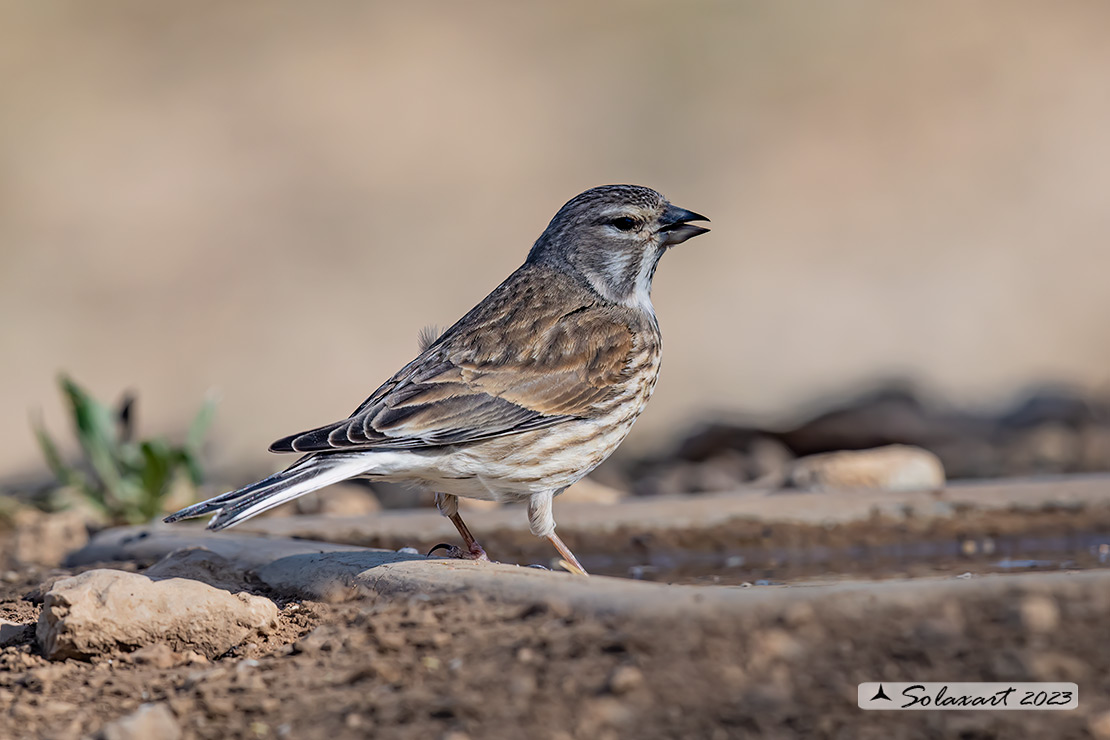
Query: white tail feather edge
[[334, 472]]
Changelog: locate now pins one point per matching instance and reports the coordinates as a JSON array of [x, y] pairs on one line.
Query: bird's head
[[613, 236]]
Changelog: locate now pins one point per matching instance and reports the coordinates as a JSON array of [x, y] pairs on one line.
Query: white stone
[[892, 468], [148, 722], [105, 611]]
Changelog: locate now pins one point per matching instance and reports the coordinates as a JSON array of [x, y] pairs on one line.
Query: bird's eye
[[624, 223]]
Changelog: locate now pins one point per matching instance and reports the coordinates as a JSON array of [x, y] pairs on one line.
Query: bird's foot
[[575, 567], [568, 561], [474, 552]]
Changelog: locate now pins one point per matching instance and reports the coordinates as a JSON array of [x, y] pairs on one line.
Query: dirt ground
[[463, 667]]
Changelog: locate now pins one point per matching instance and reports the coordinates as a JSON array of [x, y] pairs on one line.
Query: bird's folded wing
[[465, 388]]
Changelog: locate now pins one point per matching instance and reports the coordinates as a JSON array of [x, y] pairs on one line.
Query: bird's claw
[[457, 553], [574, 567]]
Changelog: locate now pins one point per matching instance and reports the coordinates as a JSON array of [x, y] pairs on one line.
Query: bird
[[522, 397]]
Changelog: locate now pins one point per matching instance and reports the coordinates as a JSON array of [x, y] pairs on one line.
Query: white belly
[[509, 468]]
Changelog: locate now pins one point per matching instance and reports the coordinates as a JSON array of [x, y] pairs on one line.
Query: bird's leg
[[542, 524], [474, 551], [448, 505], [569, 561]]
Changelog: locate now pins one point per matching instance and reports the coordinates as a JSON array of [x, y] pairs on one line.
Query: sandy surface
[[394, 645], [427, 666]]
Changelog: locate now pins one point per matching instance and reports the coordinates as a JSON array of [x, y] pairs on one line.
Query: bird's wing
[[500, 377]]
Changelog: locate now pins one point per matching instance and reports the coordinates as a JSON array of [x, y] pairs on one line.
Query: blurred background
[[270, 199]]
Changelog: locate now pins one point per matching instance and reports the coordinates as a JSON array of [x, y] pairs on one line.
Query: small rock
[[147, 722], [778, 644], [600, 714], [219, 706], [522, 685], [12, 632], [56, 707], [199, 564], [945, 621], [1039, 614], [1099, 726], [191, 657], [799, 615], [724, 472], [104, 611], [588, 491], [196, 678], [768, 462], [893, 468], [158, 656], [45, 539], [1049, 665], [625, 678], [312, 643], [1046, 448], [43, 679]]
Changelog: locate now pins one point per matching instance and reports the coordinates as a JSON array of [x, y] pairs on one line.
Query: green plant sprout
[[124, 479]]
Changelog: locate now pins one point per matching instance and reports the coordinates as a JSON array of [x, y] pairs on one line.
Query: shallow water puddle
[[912, 558]]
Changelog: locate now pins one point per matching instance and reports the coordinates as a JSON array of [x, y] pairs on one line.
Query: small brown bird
[[525, 395]]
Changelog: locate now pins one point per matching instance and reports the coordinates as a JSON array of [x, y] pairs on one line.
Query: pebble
[[891, 468], [158, 656], [145, 723], [1099, 726], [1039, 614], [625, 678]]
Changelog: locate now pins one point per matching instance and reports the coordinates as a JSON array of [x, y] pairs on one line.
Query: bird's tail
[[304, 476]]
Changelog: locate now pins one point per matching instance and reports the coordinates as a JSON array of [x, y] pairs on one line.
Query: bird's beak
[[676, 227]]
